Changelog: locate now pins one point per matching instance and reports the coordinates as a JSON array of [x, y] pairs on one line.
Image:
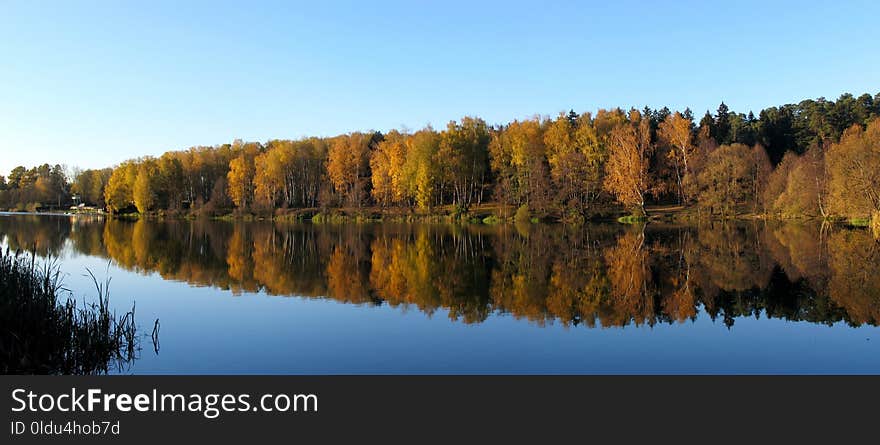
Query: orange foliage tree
[[626, 172]]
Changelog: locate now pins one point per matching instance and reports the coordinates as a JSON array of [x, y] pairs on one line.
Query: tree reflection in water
[[595, 275]]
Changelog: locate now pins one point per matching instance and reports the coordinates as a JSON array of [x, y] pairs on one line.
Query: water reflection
[[599, 275]]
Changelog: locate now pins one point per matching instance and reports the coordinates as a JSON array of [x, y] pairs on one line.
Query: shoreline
[[487, 214]]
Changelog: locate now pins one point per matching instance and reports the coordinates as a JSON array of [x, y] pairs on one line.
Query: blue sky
[[94, 83]]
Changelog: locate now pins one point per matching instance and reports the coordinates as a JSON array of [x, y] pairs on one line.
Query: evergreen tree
[[722, 125]]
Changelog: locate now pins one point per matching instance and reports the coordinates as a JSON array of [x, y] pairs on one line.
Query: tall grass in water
[[42, 334]]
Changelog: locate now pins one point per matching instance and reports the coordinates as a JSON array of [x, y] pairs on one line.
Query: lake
[[299, 298]]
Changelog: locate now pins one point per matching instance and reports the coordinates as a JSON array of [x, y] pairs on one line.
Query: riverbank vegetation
[[814, 159], [42, 332]]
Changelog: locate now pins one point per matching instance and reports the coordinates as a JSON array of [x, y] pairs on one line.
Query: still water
[[264, 297]]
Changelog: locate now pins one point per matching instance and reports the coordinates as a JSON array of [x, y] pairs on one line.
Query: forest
[[814, 159]]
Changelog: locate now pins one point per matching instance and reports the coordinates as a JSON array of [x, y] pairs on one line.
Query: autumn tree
[[463, 159], [519, 156], [629, 148], [202, 168], [41, 186], [170, 181], [506, 188], [676, 132], [805, 189], [727, 180], [606, 121], [387, 166], [777, 183], [146, 185], [575, 157], [89, 185], [81, 180], [289, 173], [348, 166], [421, 171], [560, 142], [240, 179], [269, 175], [854, 171], [118, 194], [763, 168]]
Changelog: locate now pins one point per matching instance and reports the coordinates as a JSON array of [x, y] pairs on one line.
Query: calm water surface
[[263, 297]]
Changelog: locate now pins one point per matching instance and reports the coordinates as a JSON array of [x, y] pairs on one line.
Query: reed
[[44, 330]]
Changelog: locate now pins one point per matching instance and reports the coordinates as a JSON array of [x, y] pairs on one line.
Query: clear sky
[[91, 84]]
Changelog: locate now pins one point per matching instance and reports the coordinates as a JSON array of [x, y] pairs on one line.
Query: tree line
[[815, 158]]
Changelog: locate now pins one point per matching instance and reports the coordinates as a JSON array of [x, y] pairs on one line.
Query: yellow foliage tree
[[676, 132], [348, 166], [145, 185], [118, 193], [626, 172], [854, 171], [240, 180], [575, 158], [387, 165], [420, 171]]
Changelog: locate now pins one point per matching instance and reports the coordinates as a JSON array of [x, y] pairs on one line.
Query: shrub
[[860, 222], [491, 219], [632, 219]]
